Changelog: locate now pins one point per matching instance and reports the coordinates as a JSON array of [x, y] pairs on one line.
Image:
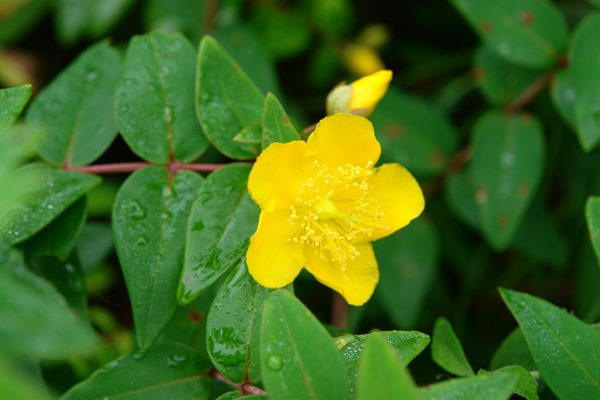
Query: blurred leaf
[[104, 15], [563, 347], [334, 17], [75, 111], [513, 351], [526, 385], [407, 346], [298, 358], [501, 81], [230, 395], [277, 127], [222, 220], [531, 33], [251, 134], [149, 221], [460, 195], [414, 133], [60, 236], [12, 102], [165, 371], [14, 24], [506, 166], [323, 65], [55, 190], [226, 100], [284, 32], [594, 2], [587, 295], [382, 375], [233, 327], [154, 102], [36, 321], [592, 214], [15, 385], [447, 351], [584, 62], [407, 261], [565, 97], [488, 387], [175, 16], [94, 245]]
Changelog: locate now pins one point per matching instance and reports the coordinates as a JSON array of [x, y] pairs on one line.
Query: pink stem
[[134, 166]]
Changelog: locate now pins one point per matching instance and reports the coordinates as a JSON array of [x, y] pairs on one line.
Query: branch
[[245, 388], [134, 166], [530, 92]]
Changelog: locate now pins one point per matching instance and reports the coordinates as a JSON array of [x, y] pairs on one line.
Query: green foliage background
[[133, 285]]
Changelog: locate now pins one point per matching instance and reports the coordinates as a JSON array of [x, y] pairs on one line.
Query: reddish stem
[[134, 166], [246, 388], [339, 312]]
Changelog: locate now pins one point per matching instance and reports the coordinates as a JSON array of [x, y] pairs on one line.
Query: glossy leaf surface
[[150, 216], [526, 384], [564, 348], [489, 387], [222, 220], [298, 358], [277, 126], [226, 100], [506, 166], [155, 99], [75, 111], [12, 101], [447, 351]]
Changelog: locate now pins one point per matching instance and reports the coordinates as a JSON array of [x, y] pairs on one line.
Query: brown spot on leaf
[[502, 221], [526, 17], [394, 131], [410, 269], [437, 159], [236, 68], [286, 120], [481, 195], [527, 118], [524, 191], [486, 27], [165, 55], [195, 316], [478, 73]]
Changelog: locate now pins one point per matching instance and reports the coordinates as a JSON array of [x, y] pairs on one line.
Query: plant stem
[[134, 166], [245, 388], [339, 312], [530, 92]]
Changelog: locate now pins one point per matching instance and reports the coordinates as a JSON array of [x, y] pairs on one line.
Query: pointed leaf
[[531, 33], [447, 351], [407, 261], [298, 358], [250, 134], [165, 371], [222, 220], [55, 190], [277, 127], [12, 102], [382, 375], [233, 327], [150, 215], [526, 384], [489, 387], [75, 111], [227, 101], [565, 349], [154, 103], [506, 166]]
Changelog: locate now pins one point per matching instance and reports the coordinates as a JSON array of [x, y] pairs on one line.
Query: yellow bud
[[338, 100], [362, 60], [367, 91]]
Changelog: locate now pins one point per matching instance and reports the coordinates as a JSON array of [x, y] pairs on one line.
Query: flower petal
[[399, 196], [357, 283], [272, 260], [367, 91], [342, 139], [275, 177]]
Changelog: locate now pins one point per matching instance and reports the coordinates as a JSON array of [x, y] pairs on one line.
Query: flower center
[[333, 211]]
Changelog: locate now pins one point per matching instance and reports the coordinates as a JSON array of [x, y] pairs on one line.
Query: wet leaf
[[526, 384], [277, 127], [447, 351], [489, 387], [12, 101]]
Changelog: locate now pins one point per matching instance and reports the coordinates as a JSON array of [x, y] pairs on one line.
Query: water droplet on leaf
[[275, 362]]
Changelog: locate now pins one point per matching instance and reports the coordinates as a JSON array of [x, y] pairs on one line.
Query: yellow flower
[[323, 202], [359, 97]]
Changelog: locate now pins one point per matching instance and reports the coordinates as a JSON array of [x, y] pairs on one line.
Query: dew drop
[[141, 241], [275, 362], [137, 211], [140, 355], [176, 361]]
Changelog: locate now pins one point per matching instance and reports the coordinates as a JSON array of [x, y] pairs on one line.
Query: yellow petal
[[367, 91], [272, 260], [274, 179], [399, 196], [356, 283], [342, 139], [362, 60]]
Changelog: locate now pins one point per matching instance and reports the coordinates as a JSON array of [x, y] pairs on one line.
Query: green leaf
[[23, 19], [407, 262], [501, 81], [592, 214], [233, 327], [12, 102], [595, 3], [75, 111], [16, 385], [563, 347], [526, 384], [284, 33], [488, 387], [277, 127], [382, 375], [149, 220], [250, 134], [36, 321], [226, 100], [175, 16], [565, 97], [460, 195], [333, 17], [60, 236], [219, 228], [584, 61], [407, 346], [298, 358], [414, 133], [531, 33], [55, 190], [230, 395], [513, 351], [447, 351], [506, 166], [154, 102], [94, 245], [165, 371], [104, 16]]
